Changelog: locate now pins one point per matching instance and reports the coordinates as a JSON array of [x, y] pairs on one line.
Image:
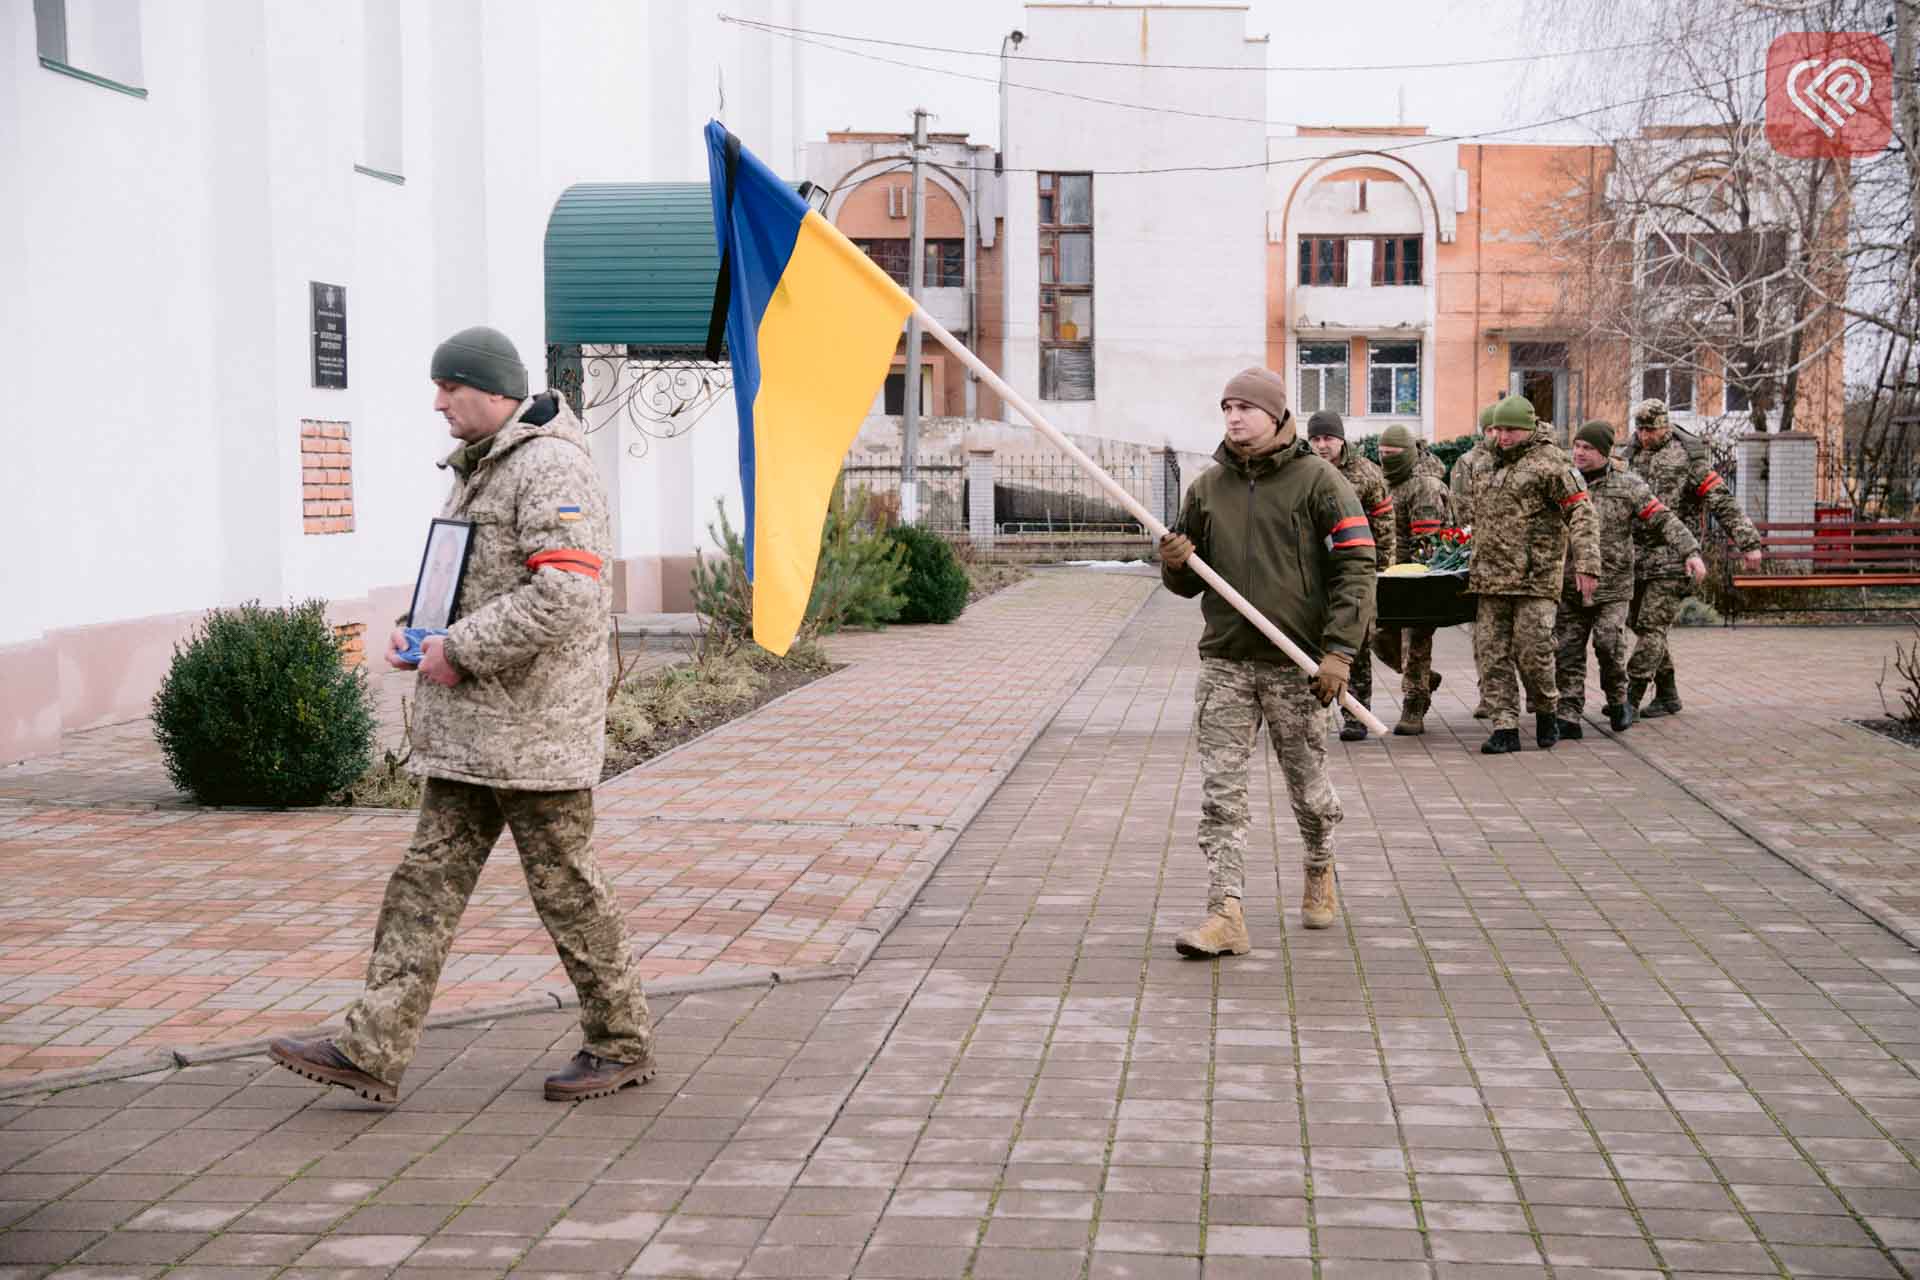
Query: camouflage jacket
[[1371, 488], [1427, 463], [1685, 481], [1421, 506], [1469, 470], [529, 636], [1629, 514], [1527, 509]]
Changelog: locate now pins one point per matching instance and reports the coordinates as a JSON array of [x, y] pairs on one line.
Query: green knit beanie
[[1486, 417], [484, 358], [1514, 412], [1597, 433]]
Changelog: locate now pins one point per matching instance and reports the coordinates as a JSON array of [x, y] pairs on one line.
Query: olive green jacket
[[1286, 531]]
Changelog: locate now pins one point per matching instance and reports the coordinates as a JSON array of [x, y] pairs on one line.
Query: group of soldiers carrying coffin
[[1570, 548]]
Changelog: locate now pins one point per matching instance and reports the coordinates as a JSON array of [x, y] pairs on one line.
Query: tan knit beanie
[[1261, 388]]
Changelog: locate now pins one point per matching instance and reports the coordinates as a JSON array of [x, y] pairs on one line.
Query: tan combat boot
[[1223, 934], [1318, 900], [1413, 715]]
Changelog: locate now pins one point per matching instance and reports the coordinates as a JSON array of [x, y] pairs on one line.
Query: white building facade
[[194, 183], [1133, 295]]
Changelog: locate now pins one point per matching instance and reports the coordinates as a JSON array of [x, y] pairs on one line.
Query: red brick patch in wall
[[353, 642], [326, 476]]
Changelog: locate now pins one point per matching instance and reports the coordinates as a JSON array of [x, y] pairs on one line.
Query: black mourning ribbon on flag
[[723, 287]]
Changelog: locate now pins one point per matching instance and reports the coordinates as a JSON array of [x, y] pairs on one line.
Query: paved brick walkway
[[1572, 1025], [786, 840]]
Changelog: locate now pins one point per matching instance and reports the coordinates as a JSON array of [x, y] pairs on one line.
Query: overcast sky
[[866, 93]]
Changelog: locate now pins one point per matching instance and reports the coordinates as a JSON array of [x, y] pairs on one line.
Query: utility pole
[[1906, 87], [916, 274]]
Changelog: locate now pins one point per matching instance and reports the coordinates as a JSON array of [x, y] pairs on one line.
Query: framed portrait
[[443, 566]]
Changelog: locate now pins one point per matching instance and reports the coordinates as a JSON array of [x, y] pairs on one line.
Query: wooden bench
[[1828, 555]]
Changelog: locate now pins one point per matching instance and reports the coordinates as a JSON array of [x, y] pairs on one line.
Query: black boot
[[1666, 697], [1571, 730], [1502, 741], [1620, 717], [1636, 693], [1546, 730], [1352, 730]]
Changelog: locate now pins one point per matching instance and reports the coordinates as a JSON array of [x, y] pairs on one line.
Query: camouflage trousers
[[1231, 701], [458, 826], [1360, 680], [1656, 603], [1606, 626], [1510, 632], [1410, 652]]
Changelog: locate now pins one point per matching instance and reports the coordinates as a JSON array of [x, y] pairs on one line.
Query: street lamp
[[1014, 38]]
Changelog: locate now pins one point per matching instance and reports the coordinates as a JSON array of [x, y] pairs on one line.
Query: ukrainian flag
[[811, 326]]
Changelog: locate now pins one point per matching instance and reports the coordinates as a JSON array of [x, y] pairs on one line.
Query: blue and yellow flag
[[811, 326]]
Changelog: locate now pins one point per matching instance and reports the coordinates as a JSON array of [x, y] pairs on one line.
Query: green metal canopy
[[632, 263]]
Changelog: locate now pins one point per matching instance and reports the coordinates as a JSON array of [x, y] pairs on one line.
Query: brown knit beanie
[[1261, 388], [1597, 433], [1325, 422]]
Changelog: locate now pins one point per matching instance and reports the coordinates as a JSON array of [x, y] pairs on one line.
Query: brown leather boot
[[1224, 933], [588, 1076], [321, 1060], [1319, 899]]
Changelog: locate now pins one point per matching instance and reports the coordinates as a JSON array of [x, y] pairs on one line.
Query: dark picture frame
[[443, 569]]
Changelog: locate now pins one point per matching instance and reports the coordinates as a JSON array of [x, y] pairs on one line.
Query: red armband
[[1712, 482], [584, 563]]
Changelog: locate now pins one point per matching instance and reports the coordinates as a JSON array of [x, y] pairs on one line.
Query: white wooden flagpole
[[1133, 508]]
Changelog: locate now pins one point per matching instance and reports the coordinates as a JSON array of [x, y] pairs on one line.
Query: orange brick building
[[1415, 280]]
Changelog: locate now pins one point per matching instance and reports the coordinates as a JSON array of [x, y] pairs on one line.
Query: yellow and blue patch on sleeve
[[569, 513]]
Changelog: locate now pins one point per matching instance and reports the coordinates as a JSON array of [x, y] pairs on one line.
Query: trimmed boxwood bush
[[936, 586], [260, 708]]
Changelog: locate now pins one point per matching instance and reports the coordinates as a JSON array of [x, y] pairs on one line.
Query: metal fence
[[1041, 502], [942, 484], [1048, 495]]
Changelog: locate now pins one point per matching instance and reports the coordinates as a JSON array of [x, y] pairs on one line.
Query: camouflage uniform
[[1370, 486], [1627, 511], [1421, 506], [1470, 469], [1231, 701], [1528, 509], [459, 825], [1683, 479], [518, 742], [1427, 463]]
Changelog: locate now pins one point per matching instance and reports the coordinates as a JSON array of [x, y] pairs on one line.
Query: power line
[[1423, 140], [1029, 88], [776, 29]]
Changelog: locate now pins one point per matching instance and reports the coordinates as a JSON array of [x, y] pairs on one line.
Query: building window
[[93, 40], [1066, 286], [1393, 378], [1748, 376], [894, 393], [1396, 260], [946, 264], [1323, 377], [889, 255], [382, 78], [946, 261], [1670, 383], [1323, 260]]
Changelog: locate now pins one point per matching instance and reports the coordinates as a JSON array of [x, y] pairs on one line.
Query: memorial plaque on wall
[[329, 334]]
